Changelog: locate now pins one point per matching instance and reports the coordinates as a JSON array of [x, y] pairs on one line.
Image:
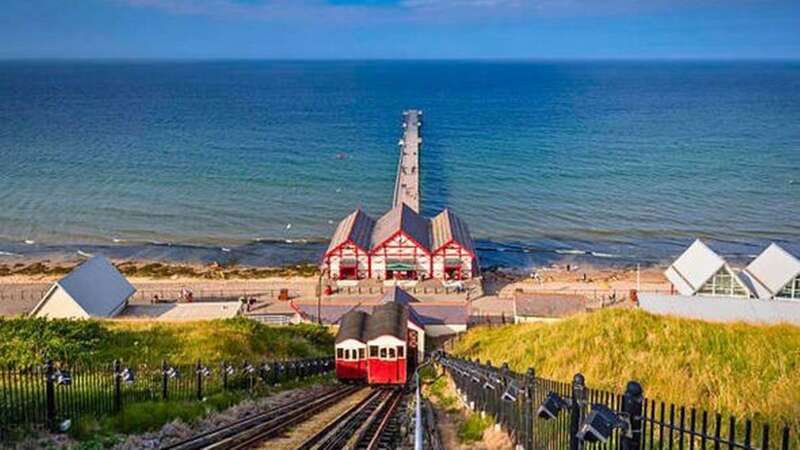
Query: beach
[[21, 290]]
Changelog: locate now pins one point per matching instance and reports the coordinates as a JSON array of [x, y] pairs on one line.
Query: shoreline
[[275, 254]]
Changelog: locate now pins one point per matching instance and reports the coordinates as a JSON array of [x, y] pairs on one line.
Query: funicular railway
[[376, 355]]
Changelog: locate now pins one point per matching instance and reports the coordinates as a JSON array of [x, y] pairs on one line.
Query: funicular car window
[[373, 351], [392, 354], [400, 351], [346, 354], [383, 352], [339, 353], [361, 353]]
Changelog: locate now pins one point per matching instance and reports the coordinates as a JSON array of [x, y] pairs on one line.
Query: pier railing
[[543, 414], [49, 395]]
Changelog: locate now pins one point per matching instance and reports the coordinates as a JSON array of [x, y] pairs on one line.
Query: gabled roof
[[352, 326], [771, 271], [439, 314], [388, 319], [396, 294], [693, 268], [401, 218], [446, 227], [96, 286], [356, 228]]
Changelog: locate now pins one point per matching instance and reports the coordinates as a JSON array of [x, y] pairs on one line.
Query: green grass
[[746, 370], [25, 341], [472, 428], [104, 432]]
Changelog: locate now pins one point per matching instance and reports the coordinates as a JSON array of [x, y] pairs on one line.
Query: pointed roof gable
[[401, 218], [356, 228], [693, 268], [772, 270], [96, 286], [396, 294], [446, 227]]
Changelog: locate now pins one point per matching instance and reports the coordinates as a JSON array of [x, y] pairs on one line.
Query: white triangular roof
[[96, 286], [693, 268], [772, 270]]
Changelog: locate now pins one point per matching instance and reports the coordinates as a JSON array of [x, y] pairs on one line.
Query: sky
[[400, 29]]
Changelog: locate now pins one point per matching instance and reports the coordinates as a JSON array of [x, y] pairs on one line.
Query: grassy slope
[[23, 341], [746, 370]]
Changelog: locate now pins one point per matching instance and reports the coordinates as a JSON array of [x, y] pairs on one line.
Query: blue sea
[[255, 161]]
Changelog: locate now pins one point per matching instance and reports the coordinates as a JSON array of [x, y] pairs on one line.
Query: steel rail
[[251, 429], [339, 430]]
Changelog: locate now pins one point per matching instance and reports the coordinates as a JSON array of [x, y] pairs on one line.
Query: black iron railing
[[544, 414], [47, 395]]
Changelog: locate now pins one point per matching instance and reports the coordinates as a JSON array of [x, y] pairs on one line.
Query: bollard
[[50, 393], [117, 387], [632, 402], [575, 410]]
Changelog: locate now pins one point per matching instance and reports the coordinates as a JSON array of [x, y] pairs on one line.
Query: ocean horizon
[[608, 162]]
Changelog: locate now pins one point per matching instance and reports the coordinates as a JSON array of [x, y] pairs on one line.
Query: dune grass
[[26, 341], [746, 370]]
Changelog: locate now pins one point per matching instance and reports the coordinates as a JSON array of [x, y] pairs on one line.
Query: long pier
[[406, 187]]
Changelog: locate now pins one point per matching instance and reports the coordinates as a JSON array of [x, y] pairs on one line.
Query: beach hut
[[452, 249], [347, 256], [701, 271], [93, 289], [401, 246], [775, 273]]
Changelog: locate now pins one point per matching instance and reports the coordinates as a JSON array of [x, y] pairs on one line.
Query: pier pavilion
[[402, 244]]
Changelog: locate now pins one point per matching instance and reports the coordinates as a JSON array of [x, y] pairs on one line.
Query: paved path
[[406, 188]]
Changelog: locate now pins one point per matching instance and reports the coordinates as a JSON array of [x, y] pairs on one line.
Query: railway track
[[368, 425], [252, 430]]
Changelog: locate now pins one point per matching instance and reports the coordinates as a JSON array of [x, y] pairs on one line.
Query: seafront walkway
[[406, 189]]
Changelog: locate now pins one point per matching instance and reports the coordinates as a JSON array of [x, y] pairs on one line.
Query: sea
[[255, 162]]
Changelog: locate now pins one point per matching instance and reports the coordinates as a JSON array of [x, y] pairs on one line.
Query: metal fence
[[549, 415], [47, 395]]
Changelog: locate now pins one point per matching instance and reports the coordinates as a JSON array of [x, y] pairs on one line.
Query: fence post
[[632, 406], [164, 379], [117, 387], [50, 392], [223, 367], [198, 379], [527, 416], [578, 397]]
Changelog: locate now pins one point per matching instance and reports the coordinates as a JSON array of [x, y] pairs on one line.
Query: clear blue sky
[[728, 29]]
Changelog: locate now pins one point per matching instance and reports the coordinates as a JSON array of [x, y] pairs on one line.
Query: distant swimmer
[[341, 155]]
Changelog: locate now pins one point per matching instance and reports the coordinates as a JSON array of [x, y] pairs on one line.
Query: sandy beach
[[22, 286]]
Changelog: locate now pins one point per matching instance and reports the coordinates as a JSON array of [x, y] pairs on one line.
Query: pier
[[406, 188]]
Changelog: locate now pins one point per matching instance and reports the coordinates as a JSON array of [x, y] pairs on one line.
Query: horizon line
[[394, 59]]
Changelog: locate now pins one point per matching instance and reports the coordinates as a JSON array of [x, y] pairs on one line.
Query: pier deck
[[406, 189]]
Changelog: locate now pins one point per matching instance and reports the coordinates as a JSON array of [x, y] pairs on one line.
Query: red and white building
[[454, 255], [401, 245]]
